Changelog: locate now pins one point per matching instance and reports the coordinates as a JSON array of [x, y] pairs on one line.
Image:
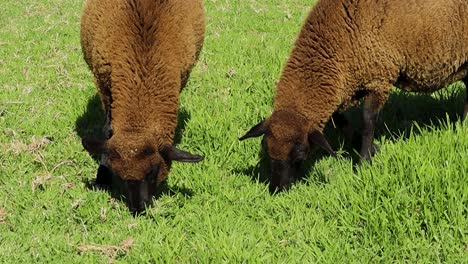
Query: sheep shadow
[[91, 123], [163, 190], [403, 115]]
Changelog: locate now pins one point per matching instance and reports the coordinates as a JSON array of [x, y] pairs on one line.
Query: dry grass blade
[[132, 225], [17, 147], [110, 251], [76, 203], [40, 181], [103, 216], [38, 143], [2, 215]]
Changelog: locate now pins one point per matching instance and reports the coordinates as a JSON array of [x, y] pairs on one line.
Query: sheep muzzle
[[136, 195], [283, 174]]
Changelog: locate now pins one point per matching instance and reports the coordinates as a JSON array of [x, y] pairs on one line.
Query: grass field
[[409, 206]]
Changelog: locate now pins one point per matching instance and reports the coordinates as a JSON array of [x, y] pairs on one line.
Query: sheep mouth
[[136, 194], [283, 174]]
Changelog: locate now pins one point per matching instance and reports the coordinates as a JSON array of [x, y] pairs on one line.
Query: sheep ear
[[93, 145], [256, 131], [319, 139], [170, 152]]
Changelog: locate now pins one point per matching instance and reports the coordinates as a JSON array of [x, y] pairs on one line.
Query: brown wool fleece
[[351, 48], [141, 53]]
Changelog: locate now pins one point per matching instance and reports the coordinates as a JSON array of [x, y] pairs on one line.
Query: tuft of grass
[[409, 205], [110, 251]]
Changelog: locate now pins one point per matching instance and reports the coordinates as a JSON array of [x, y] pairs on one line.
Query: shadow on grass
[[162, 190], [91, 123], [403, 114]]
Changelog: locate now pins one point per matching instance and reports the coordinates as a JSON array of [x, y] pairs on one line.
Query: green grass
[[409, 206]]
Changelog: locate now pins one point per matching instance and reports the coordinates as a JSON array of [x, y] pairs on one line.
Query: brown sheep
[[141, 53], [349, 50]]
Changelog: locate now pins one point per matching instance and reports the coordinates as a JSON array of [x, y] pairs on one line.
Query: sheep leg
[[465, 112], [351, 136], [107, 123], [373, 102], [342, 123], [106, 101], [103, 82]]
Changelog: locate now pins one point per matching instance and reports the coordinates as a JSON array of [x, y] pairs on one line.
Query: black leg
[[351, 136], [465, 111], [372, 104], [107, 128], [341, 122], [103, 82]]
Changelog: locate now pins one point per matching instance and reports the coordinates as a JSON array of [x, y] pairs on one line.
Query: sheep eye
[[147, 151]]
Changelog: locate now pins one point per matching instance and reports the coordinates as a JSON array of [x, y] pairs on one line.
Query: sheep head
[[134, 166], [287, 143]]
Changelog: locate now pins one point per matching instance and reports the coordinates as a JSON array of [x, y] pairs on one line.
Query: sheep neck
[[314, 78], [142, 101]]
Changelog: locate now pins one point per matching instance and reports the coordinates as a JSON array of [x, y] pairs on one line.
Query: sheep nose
[[136, 196], [137, 209], [282, 175]]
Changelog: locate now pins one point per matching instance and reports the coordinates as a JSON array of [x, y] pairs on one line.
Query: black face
[[285, 172], [286, 145], [137, 194]]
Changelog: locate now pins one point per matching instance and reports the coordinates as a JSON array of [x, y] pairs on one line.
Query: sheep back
[[347, 48]]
